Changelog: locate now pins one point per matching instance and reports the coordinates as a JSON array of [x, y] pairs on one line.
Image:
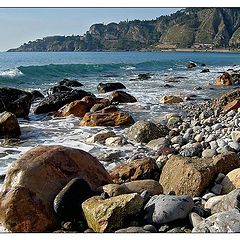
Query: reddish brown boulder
[[109, 116], [33, 181], [224, 80], [234, 105], [121, 97], [171, 99], [135, 170], [191, 176]]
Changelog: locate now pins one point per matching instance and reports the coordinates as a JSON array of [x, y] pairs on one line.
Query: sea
[[169, 76]]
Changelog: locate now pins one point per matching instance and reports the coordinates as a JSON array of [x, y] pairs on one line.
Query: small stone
[[221, 143], [235, 135], [208, 153], [217, 126], [234, 145], [210, 138], [216, 189], [231, 113], [194, 219], [191, 150], [150, 228], [198, 137], [115, 141], [231, 181], [164, 228], [101, 136], [219, 178], [208, 195], [213, 145]]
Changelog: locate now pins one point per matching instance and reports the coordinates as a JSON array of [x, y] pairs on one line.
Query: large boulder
[[135, 170], [33, 181], [15, 101], [223, 222], [224, 202], [121, 97], [224, 80], [191, 176], [109, 116], [108, 215], [109, 87], [57, 100], [162, 209], [233, 105], [9, 126], [144, 131], [231, 181]]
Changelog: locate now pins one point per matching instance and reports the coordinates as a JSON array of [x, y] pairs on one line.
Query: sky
[[20, 25]]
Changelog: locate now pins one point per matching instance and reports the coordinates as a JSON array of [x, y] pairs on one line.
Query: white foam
[[11, 73]]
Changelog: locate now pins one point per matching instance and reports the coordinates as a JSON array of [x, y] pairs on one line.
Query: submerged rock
[[33, 181], [108, 87]]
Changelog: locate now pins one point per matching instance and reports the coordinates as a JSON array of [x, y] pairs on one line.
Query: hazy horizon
[[20, 25]]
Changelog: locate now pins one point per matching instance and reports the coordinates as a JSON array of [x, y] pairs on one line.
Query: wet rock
[[116, 141], [224, 202], [9, 126], [166, 208], [101, 136], [191, 65], [144, 76], [109, 116], [67, 203], [121, 97], [34, 180], [158, 143], [191, 176], [96, 107], [57, 100], [231, 181], [108, 87], [70, 83], [171, 99], [222, 222], [205, 70], [144, 131], [60, 88], [36, 95], [135, 170], [109, 156], [224, 80], [15, 101], [101, 214]]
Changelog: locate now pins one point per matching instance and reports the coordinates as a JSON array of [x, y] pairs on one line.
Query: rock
[[171, 99], [216, 189], [173, 122], [70, 83], [191, 176], [191, 65], [223, 222], [59, 88], [224, 80], [209, 153], [191, 150], [135, 170], [96, 107], [67, 203], [219, 178], [33, 181], [234, 145], [108, 87], [233, 105], [9, 126], [158, 143], [144, 131], [77, 108], [121, 97], [144, 76], [231, 181], [57, 100], [195, 219], [36, 95], [116, 141], [15, 101], [101, 136], [235, 135], [224, 202], [150, 228], [132, 230], [166, 208], [108, 116], [198, 137], [108, 215], [205, 70], [208, 196]]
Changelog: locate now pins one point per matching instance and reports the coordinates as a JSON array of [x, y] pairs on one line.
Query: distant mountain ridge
[[190, 27]]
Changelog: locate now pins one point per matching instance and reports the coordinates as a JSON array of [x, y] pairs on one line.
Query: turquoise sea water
[[42, 70]]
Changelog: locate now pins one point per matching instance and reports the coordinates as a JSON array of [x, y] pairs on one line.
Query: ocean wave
[[11, 73]]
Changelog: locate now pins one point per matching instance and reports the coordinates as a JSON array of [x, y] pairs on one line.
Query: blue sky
[[19, 25]]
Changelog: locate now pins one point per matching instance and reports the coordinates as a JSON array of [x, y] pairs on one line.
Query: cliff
[[190, 27]]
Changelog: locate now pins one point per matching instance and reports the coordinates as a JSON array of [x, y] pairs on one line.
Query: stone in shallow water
[[223, 222], [162, 209]]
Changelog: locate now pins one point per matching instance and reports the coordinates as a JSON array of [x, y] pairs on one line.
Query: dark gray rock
[[57, 100], [67, 203], [162, 209], [150, 228], [109, 87], [70, 83], [36, 95], [60, 88], [15, 101], [132, 230]]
